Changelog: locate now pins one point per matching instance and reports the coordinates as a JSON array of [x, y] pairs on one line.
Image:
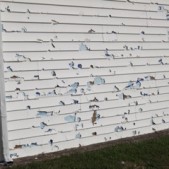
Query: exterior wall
[[83, 72]]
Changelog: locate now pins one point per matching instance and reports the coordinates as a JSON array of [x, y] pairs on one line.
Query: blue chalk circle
[[70, 118], [99, 81]]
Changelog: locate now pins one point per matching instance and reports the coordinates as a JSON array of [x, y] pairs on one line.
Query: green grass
[[150, 154]]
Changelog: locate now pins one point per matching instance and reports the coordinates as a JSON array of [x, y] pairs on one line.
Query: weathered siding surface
[[84, 72]]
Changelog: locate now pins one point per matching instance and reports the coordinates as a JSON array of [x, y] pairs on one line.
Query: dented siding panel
[[83, 72]]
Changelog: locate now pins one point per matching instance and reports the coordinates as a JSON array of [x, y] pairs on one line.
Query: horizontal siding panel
[[18, 95], [57, 123], [45, 37], [49, 28], [93, 4], [160, 107], [86, 132], [27, 47], [80, 56], [57, 65], [85, 141], [58, 10], [111, 136], [109, 94], [36, 104], [37, 84], [51, 19], [103, 71]]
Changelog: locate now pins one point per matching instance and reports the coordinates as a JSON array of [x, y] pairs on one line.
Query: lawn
[[147, 154]]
